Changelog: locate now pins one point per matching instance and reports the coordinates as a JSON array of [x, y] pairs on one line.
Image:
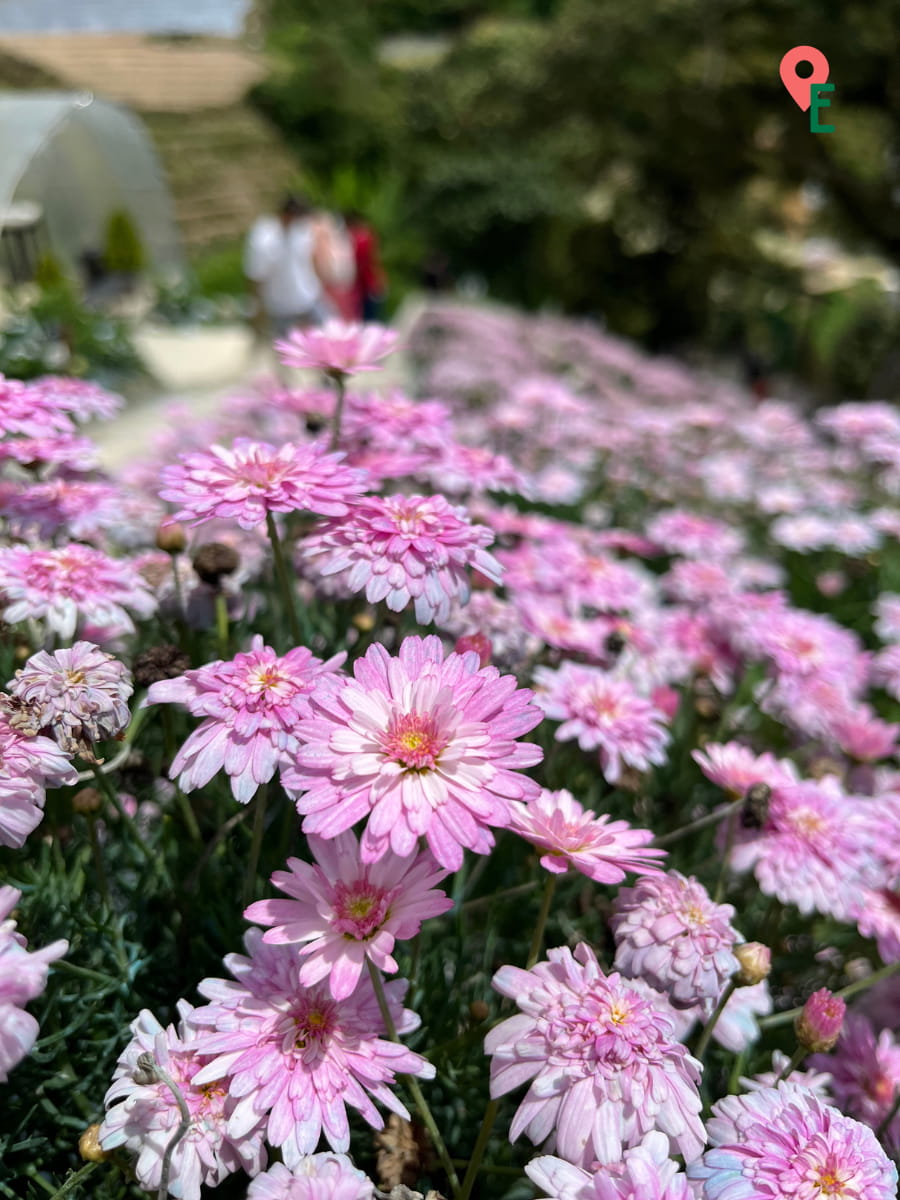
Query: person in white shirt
[[280, 263]]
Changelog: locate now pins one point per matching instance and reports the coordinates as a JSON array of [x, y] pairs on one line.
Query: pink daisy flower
[[670, 933], [646, 1172], [252, 479], [58, 450], [79, 695], [338, 347], [862, 736], [694, 536], [865, 1075], [82, 507], [814, 1080], [420, 744], [785, 1141], [143, 1116], [603, 713], [405, 549], [23, 976], [571, 836], [347, 911], [877, 914], [295, 1057], [28, 765], [604, 1067], [735, 768], [82, 399], [252, 707], [29, 411], [315, 1177], [73, 584]]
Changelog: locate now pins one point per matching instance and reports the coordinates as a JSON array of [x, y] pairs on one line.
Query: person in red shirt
[[371, 284]]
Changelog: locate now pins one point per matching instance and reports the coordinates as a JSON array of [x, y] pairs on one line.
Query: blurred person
[[280, 263], [371, 282], [335, 264]]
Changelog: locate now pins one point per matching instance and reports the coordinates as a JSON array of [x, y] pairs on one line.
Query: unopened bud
[[819, 1025], [364, 621], [477, 642], [479, 1011], [214, 560], [171, 536], [756, 806], [89, 1145], [87, 800], [754, 963], [707, 701], [145, 1072]]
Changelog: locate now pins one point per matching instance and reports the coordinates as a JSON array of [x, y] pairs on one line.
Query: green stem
[[183, 1127], [520, 889], [186, 809], [710, 1025], [484, 1133], [222, 624], [791, 1014], [712, 818], [153, 860], [259, 825], [339, 389], [537, 940], [284, 582], [885, 1124], [70, 968], [726, 854], [74, 1180], [796, 1059], [413, 1084]]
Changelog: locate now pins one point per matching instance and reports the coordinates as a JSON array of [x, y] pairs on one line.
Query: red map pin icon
[[797, 85]]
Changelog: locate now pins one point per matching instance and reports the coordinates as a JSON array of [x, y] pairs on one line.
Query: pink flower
[[71, 585], [404, 549], [28, 765], [862, 736], [865, 1075], [646, 1172], [348, 911], [315, 1177], [23, 976], [735, 768], [338, 347], [694, 536], [816, 1081], [877, 913], [477, 642], [143, 1116], [604, 1066], [420, 744], [819, 1025], [27, 410], [252, 707], [252, 479], [79, 695], [295, 1057], [670, 933], [80, 398], [570, 836], [603, 712], [786, 1142]]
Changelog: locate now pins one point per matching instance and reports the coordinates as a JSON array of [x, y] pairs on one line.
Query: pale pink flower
[[887, 616], [252, 479], [886, 670], [646, 1172], [28, 765], [862, 736], [670, 933], [420, 744], [404, 549], [735, 768], [347, 911], [604, 1066], [295, 1057], [571, 836], [23, 976], [338, 347], [143, 1116], [461, 470], [785, 1141], [877, 914], [694, 536], [71, 585], [814, 1080], [315, 1177], [29, 411], [81, 507], [252, 707], [79, 695], [864, 1069], [603, 713], [64, 450], [82, 399]]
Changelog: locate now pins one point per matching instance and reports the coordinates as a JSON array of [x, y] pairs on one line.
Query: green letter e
[[815, 103]]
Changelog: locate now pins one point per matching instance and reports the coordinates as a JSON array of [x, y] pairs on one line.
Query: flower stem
[[339, 389], [154, 860], [284, 582], [710, 1025], [182, 1129], [537, 940], [222, 624], [726, 854], [259, 825], [796, 1059], [484, 1133], [412, 1083], [74, 1180], [521, 889], [187, 812], [701, 823], [860, 985], [885, 1124]]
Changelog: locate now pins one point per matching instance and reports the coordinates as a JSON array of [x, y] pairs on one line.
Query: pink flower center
[[414, 741], [410, 519], [361, 909]]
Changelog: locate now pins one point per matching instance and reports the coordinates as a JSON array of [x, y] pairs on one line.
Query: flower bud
[[756, 806], [479, 1011], [215, 559], [89, 1145], [755, 963], [364, 621], [477, 642], [819, 1025], [145, 1071], [171, 536], [87, 800]]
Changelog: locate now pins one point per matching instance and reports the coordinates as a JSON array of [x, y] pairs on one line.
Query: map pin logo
[[799, 86]]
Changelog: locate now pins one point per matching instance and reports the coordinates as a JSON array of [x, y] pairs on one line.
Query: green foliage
[[49, 272], [123, 251]]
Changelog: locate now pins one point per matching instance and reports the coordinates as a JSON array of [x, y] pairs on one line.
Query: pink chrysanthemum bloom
[[80, 398], [735, 768], [420, 744], [670, 933], [646, 1172], [817, 1082], [252, 705], [603, 713], [296, 1057], [865, 1075], [28, 765], [571, 836], [142, 1115], [348, 911], [81, 507], [694, 536], [786, 1142], [878, 916], [862, 736], [23, 976], [251, 479], [59, 450], [604, 1066], [27, 410], [338, 347], [315, 1177], [79, 695], [73, 584], [405, 549]]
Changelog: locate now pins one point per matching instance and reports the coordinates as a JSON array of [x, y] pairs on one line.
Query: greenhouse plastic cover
[[80, 159]]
